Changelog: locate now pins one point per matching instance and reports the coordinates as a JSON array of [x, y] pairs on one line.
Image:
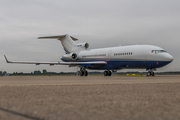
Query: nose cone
[[169, 58]]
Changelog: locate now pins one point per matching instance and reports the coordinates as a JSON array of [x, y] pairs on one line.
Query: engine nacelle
[[69, 57], [74, 56], [83, 45]]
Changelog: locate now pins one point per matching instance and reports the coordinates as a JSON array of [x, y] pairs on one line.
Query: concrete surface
[[88, 80], [90, 98]]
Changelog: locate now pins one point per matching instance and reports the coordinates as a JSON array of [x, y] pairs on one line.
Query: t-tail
[[68, 43]]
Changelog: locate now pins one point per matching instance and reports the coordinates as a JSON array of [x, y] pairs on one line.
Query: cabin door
[[110, 54]]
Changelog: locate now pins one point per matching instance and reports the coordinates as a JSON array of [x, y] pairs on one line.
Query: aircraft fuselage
[[124, 57]]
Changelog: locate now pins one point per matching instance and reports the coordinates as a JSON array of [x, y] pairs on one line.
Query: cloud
[[101, 23]]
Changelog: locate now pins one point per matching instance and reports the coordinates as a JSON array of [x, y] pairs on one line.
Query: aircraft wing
[[58, 63]]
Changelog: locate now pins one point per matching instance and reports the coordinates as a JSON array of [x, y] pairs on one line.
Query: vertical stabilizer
[[67, 42]]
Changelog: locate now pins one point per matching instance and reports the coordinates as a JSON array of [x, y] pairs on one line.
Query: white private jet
[[110, 59]]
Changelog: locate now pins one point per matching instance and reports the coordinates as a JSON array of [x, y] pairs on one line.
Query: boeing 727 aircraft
[[110, 59]]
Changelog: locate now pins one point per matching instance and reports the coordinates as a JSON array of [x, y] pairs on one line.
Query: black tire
[[152, 73], [109, 73], [105, 73], [85, 73], [81, 73], [148, 73]]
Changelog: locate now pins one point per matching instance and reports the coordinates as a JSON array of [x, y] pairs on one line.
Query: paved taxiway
[[92, 97]]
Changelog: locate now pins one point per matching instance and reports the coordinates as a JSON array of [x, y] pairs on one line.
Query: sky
[[101, 23]]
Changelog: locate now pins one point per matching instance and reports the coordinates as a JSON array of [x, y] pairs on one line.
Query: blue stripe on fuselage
[[122, 63]]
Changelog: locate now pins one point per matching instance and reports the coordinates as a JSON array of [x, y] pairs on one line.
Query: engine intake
[[83, 45], [86, 45], [74, 56]]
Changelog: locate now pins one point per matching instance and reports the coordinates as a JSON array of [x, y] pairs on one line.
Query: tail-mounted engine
[[83, 45], [74, 56], [69, 57]]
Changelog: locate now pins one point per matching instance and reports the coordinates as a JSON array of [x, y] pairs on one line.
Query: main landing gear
[[83, 72], [107, 73], [150, 73]]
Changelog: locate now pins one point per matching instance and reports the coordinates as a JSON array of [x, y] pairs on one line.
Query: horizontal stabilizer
[[59, 37]]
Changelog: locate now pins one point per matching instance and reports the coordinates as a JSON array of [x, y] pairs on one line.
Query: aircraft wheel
[[81, 73], [85, 73], [109, 73], [152, 73], [105, 73], [149, 73]]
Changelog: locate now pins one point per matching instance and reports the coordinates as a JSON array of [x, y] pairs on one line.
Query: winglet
[[6, 59]]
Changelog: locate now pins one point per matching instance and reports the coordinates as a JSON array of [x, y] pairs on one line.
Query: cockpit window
[[158, 51], [153, 51]]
